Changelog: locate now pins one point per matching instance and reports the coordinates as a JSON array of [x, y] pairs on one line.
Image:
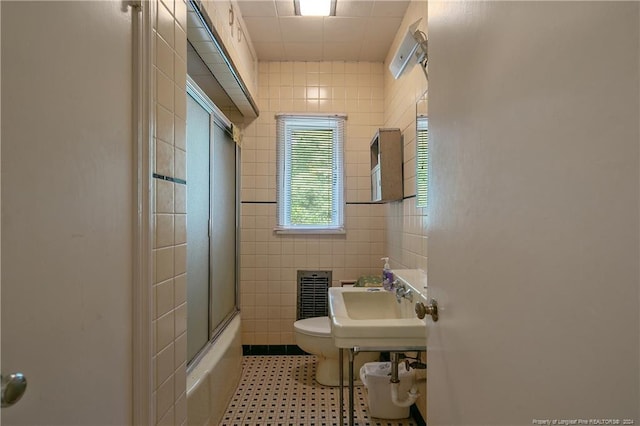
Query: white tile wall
[[268, 261], [169, 289], [406, 223]]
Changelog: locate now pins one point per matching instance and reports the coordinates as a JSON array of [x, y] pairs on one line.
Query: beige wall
[[169, 289], [406, 223], [269, 262]]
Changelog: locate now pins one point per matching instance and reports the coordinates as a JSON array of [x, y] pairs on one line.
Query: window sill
[[309, 230]]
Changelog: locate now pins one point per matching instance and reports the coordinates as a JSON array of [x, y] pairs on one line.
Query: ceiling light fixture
[[315, 7]]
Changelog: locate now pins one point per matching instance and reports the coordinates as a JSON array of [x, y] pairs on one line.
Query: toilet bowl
[[313, 335]]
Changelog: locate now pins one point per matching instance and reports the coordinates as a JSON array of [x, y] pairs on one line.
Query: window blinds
[[422, 161], [310, 172]]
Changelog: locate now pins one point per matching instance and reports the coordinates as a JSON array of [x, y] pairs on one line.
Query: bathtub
[[212, 382]]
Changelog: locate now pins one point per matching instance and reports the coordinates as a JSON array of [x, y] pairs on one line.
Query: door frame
[[143, 378]]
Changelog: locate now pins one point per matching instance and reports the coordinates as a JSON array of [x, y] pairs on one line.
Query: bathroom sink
[[373, 318]]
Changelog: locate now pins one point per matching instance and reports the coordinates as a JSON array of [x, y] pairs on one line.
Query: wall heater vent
[[313, 293]]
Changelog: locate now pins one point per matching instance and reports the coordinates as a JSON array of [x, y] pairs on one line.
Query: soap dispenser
[[387, 275]]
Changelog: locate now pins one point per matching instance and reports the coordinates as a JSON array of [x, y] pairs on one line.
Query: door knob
[[13, 387], [430, 309]]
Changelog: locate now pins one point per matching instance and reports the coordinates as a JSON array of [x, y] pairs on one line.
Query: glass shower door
[[223, 227], [212, 222], [198, 213]]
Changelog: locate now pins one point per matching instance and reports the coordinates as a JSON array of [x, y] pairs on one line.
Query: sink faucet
[[403, 291]]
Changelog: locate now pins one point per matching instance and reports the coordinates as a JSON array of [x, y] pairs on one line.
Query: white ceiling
[[362, 30]]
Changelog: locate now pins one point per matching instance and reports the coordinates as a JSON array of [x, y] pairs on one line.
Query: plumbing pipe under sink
[[412, 395]]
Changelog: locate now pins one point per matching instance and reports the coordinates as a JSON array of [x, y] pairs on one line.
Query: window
[[422, 161], [310, 173]]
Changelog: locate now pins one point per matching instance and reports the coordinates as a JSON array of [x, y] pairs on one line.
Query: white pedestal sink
[[366, 318]]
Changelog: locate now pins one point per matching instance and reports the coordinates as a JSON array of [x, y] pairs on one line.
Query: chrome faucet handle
[[408, 294], [403, 291], [399, 292]]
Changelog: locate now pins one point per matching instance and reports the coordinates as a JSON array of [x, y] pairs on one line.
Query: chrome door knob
[[430, 309], [13, 387]]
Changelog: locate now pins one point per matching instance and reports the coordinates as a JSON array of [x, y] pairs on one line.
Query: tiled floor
[[281, 391]]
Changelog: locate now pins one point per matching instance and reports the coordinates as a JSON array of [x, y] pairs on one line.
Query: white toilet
[[313, 335]]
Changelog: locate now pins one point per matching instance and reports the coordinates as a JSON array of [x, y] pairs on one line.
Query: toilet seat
[[318, 326]]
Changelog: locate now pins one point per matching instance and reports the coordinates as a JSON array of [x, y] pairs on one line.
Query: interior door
[[533, 212], [67, 209]]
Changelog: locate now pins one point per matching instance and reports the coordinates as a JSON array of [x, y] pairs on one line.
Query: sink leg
[[341, 385], [351, 408]]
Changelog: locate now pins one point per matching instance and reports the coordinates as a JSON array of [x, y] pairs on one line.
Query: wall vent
[[313, 294]]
